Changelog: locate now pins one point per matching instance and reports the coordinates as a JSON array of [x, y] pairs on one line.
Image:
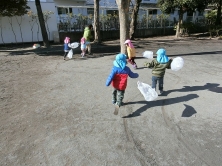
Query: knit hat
[[120, 61], [129, 43], [67, 40], [161, 56]]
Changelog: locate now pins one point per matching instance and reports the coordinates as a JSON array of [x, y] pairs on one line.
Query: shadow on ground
[[199, 53], [209, 86], [156, 103], [58, 51], [189, 110]]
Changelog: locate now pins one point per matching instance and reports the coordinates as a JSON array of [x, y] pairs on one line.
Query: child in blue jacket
[[66, 46], [118, 78]]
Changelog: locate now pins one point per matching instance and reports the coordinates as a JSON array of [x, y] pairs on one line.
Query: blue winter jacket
[[66, 47], [118, 77]]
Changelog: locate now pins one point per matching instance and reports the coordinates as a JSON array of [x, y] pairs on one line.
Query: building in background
[[74, 15], [26, 28]]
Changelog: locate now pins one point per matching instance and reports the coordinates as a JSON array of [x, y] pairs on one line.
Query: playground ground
[[59, 113]]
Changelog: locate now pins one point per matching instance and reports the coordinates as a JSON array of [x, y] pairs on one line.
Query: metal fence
[[108, 22]]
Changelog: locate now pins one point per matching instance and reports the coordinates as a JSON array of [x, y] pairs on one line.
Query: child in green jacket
[[87, 35], [159, 65]]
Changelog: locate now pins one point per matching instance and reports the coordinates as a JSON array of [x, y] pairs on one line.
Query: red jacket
[[118, 77]]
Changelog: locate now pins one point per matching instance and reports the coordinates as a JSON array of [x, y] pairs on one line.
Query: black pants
[[66, 53]]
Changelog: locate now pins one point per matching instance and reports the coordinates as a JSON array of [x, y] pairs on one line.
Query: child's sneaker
[[116, 109], [114, 101], [82, 54]]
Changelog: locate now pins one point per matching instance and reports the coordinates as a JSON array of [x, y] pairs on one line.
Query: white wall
[[6, 29]]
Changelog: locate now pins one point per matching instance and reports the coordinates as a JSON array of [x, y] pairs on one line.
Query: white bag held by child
[[148, 54], [177, 63], [74, 45], [70, 54], [147, 91]]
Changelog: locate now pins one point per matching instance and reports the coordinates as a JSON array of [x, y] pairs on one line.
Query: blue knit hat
[[120, 61], [161, 56]]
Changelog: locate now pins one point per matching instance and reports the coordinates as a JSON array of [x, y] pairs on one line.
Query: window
[[200, 13], [153, 12], [190, 13], [90, 11], [62, 10], [70, 10], [112, 12]]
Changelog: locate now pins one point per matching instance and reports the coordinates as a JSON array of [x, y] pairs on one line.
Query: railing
[[72, 23]]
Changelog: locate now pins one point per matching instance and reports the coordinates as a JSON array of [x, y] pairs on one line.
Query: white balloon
[[74, 45], [177, 64], [148, 54]]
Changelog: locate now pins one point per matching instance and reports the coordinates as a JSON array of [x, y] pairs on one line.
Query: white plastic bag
[[177, 63], [74, 45], [36, 46], [148, 54], [70, 54], [147, 91]]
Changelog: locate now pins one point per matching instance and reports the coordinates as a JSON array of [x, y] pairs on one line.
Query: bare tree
[[19, 21], [134, 16], [218, 19], [97, 37], [11, 22], [10, 8], [42, 24], [123, 7]]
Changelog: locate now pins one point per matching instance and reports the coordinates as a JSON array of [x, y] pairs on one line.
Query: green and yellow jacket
[[158, 69], [87, 34]]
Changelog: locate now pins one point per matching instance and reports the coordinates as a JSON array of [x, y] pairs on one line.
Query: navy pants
[[159, 80]]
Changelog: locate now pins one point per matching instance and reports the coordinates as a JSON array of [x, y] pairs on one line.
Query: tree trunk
[[123, 8], [218, 19], [179, 23], [97, 37], [133, 23], [42, 24]]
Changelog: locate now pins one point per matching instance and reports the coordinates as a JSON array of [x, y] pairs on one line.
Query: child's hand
[[145, 64]]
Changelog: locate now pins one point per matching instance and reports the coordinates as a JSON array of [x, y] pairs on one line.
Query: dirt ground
[[59, 113]]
